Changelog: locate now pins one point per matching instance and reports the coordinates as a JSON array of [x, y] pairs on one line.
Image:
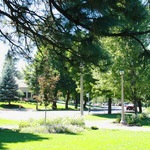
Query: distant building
[[25, 89]]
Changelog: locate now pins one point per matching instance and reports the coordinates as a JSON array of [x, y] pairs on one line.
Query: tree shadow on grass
[[11, 106], [107, 116], [10, 136]]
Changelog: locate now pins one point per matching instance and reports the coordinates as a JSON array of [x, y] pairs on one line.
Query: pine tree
[[8, 86]]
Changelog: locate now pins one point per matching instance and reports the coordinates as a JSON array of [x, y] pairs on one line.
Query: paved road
[[102, 124], [23, 114], [27, 114]]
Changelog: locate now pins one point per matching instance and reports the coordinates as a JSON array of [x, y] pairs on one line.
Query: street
[[27, 114]]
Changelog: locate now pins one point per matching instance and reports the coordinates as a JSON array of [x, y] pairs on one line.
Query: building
[[22, 85]]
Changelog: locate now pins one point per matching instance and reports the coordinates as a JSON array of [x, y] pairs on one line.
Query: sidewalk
[[108, 124], [103, 124]]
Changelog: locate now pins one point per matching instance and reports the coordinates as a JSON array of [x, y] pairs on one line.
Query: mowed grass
[[7, 122], [101, 116], [32, 105], [102, 139], [87, 140]]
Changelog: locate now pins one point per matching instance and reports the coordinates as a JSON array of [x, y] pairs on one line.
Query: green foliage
[[88, 140], [138, 120], [94, 128], [24, 124], [56, 125], [135, 120], [8, 85], [127, 55], [118, 119]]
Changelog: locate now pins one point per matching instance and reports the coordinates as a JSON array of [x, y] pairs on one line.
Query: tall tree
[[128, 56], [58, 22], [67, 86], [8, 86]]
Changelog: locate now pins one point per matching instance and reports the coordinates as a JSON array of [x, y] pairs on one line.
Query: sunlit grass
[[32, 105], [88, 140], [7, 122]]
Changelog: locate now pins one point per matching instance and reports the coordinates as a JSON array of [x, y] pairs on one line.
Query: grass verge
[[31, 105], [7, 122], [88, 140]]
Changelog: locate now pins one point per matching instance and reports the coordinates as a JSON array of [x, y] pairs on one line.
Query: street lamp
[[122, 98], [81, 89]]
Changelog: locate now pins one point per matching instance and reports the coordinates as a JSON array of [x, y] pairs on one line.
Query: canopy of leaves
[[63, 23]]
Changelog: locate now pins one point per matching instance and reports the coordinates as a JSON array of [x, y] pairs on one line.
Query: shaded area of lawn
[[30, 105], [11, 106], [106, 116], [88, 140], [10, 136]]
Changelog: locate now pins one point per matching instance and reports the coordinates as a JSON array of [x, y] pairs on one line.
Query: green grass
[[7, 122], [101, 116], [30, 105], [24, 105], [88, 140]]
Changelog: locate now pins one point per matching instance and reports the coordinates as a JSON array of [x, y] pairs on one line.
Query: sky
[[3, 51]]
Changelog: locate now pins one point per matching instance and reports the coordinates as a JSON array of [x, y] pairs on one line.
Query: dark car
[[130, 107]]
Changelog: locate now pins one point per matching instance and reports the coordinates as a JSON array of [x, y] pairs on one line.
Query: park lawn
[[87, 140], [31, 105], [8, 122], [92, 117]]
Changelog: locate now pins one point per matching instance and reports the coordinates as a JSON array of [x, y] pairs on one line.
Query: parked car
[[130, 107]]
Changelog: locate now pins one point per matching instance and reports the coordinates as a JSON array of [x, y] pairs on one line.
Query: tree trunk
[[109, 105], [140, 106], [54, 105], [37, 105], [85, 101], [67, 100], [135, 106], [45, 115], [76, 101], [9, 102]]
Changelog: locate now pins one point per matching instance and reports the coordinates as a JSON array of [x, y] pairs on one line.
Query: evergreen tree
[[8, 86], [59, 22]]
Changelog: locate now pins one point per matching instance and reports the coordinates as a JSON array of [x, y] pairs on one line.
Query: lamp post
[[81, 89], [122, 98]]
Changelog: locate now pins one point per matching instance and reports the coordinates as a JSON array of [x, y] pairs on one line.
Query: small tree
[[47, 84], [8, 86]]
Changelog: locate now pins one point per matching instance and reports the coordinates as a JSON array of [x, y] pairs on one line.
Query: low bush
[[137, 120], [94, 128], [56, 125], [118, 119]]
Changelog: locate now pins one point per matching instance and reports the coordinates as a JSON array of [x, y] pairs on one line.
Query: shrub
[[35, 129], [55, 125], [24, 124], [137, 120], [60, 128], [29, 123], [94, 128], [118, 119], [78, 121]]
